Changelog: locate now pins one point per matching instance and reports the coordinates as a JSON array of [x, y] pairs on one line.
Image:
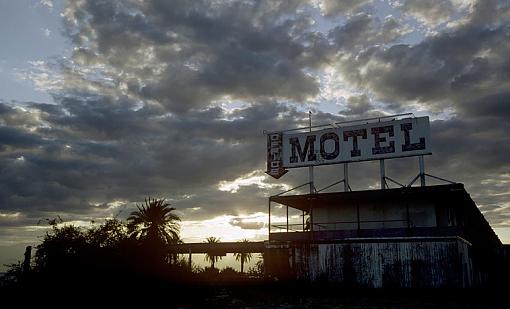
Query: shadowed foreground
[[253, 294]]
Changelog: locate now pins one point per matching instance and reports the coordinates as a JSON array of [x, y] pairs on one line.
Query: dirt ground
[[338, 297]]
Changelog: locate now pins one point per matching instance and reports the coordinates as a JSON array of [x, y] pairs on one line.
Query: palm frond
[[154, 221]]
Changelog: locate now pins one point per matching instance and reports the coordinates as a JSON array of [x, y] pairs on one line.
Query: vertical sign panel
[[274, 155]]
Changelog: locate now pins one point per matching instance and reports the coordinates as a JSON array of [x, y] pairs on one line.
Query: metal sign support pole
[[346, 177], [422, 171], [269, 218], [310, 179], [310, 168], [383, 174]]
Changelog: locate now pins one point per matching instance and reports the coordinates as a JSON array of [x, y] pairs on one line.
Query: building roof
[[306, 201]]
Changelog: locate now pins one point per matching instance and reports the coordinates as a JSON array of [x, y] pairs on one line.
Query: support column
[[383, 174], [189, 261], [287, 218], [422, 171], [311, 219], [346, 177]]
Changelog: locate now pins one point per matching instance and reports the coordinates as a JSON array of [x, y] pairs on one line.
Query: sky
[[104, 103]]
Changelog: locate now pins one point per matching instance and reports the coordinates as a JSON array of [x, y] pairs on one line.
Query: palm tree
[[243, 256], [154, 222], [209, 256]]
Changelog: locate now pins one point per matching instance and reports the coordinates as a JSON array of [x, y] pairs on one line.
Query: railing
[[292, 227], [374, 233], [338, 225], [350, 225]]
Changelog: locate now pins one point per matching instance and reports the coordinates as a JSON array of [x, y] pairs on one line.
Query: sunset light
[[256, 153]]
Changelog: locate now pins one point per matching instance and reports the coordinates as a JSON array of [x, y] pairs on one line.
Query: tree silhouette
[[108, 254], [209, 256], [243, 256], [108, 235], [61, 248], [154, 223]]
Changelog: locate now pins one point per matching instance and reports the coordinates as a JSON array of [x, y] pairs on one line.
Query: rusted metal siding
[[385, 264]]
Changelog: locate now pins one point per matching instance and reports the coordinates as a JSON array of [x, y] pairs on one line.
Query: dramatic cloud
[[170, 99], [333, 7], [359, 107], [363, 30], [431, 13], [185, 56]]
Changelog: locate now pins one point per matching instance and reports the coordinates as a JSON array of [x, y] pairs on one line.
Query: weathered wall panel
[[386, 264]]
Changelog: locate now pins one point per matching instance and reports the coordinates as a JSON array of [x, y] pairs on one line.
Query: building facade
[[432, 236]]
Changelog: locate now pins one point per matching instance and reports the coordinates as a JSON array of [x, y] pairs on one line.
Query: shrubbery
[[114, 253]]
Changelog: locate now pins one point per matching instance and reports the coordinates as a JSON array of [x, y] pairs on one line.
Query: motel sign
[[364, 142]]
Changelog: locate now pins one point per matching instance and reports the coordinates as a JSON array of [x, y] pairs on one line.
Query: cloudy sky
[[103, 103]]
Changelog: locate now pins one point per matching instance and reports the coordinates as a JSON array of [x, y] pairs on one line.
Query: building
[[428, 236], [406, 237]]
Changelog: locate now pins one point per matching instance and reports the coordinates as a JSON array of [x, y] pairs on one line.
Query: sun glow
[[255, 178], [14, 215], [226, 227]]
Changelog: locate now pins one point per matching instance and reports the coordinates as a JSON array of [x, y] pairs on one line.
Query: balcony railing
[[331, 234], [341, 225]]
